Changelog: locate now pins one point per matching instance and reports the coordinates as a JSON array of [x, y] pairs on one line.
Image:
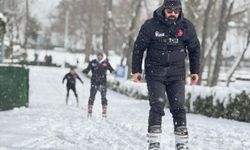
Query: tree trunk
[[106, 40], [204, 37], [89, 32], [210, 68], [130, 42], [223, 27], [208, 57], [26, 25], [88, 46], [240, 58]]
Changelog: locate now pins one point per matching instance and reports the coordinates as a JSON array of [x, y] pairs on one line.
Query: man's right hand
[[137, 77], [194, 79]]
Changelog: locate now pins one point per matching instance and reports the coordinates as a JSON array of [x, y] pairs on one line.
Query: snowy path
[[49, 124]]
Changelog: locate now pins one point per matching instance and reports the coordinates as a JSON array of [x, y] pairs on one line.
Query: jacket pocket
[[176, 56]]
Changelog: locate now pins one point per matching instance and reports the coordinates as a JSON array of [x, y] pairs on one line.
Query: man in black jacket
[[168, 37], [71, 83], [99, 68]]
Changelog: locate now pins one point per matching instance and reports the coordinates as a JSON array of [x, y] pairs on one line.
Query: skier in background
[[98, 67], [71, 83], [168, 37]]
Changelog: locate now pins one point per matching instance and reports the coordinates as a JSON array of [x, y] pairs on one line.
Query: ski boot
[[90, 108], [181, 138], [154, 137], [104, 111]]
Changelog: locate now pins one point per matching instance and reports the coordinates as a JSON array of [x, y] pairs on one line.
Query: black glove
[[84, 72]]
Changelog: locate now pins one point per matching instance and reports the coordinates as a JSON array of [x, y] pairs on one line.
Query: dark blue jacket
[[167, 45], [99, 71]]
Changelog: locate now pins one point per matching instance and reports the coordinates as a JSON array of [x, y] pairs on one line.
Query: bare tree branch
[[204, 35], [127, 48], [239, 59], [117, 29], [223, 27], [236, 14], [192, 10], [211, 46]]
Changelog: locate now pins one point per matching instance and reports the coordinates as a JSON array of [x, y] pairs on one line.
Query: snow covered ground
[[48, 124]]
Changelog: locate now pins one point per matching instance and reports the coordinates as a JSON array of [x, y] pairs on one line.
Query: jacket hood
[[104, 57], [159, 15]]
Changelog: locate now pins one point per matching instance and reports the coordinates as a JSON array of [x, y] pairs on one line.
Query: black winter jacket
[[166, 45], [99, 71], [71, 79]]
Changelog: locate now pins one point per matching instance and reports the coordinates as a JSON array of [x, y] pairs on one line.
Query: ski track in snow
[[49, 124]]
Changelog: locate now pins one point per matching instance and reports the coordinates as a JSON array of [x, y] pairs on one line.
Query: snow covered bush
[[203, 106], [212, 102], [238, 107], [128, 88]]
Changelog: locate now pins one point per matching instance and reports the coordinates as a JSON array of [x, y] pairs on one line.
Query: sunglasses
[[170, 11]]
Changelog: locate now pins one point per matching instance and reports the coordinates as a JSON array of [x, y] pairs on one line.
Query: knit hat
[[172, 4]]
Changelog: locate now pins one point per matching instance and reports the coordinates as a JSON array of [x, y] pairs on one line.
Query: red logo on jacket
[[180, 32], [104, 65]]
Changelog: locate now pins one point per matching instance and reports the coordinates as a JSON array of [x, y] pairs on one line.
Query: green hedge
[[14, 87], [237, 107]]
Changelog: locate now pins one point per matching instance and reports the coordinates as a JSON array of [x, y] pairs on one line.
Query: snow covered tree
[[17, 31], [85, 20]]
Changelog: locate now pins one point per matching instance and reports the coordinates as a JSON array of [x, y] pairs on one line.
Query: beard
[[172, 18]]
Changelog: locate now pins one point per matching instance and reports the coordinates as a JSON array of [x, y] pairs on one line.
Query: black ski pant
[[157, 98], [102, 88], [73, 88]]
